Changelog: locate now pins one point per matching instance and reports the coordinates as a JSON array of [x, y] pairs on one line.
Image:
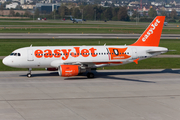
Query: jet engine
[[70, 70]]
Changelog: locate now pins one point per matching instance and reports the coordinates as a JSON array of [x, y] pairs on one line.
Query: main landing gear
[[90, 75], [29, 74]]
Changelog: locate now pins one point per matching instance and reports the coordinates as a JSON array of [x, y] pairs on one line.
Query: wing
[[91, 64]]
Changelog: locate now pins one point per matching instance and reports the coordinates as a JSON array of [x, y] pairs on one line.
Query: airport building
[[47, 7], [22, 2], [12, 5]]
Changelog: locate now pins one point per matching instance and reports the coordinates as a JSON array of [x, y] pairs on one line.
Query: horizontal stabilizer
[[162, 50]]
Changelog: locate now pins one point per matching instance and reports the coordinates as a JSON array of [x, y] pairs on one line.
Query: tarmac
[[147, 94], [77, 36]]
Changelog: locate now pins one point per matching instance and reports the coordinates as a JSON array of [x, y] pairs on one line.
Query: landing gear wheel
[[29, 75], [90, 75]]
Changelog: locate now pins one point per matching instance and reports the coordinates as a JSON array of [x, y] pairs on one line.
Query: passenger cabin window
[[115, 51]]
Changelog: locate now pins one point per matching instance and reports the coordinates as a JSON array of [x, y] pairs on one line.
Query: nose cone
[[11, 61], [6, 61]]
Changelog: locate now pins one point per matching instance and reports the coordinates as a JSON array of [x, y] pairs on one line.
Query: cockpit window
[[11, 54], [15, 54]]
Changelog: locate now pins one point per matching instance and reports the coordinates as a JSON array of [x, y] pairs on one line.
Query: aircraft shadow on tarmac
[[109, 75]]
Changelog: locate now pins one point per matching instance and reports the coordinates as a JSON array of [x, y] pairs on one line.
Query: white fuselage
[[91, 56]]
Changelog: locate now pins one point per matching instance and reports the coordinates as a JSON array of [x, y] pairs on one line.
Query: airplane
[[165, 23], [75, 20], [73, 60]]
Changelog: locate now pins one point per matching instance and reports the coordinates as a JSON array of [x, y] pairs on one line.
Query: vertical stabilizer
[[152, 34]]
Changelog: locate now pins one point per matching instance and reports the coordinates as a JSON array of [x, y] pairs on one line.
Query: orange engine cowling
[[68, 70]]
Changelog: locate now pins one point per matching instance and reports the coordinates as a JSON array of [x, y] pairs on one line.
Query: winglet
[[152, 34]]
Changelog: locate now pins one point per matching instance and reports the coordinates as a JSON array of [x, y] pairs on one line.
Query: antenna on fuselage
[[105, 44], [31, 45]]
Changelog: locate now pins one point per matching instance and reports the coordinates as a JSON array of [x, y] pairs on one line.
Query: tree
[[88, 12], [36, 13], [11, 13], [163, 12], [2, 8], [27, 13], [108, 13], [17, 14], [122, 14], [173, 14], [99, 12], [152, 13], [76, 13], [135, 14], [115, 13], [144, 14], [63, 10]]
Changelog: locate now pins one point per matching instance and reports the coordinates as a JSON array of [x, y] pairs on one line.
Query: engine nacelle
[[69, 70], [51, 69]]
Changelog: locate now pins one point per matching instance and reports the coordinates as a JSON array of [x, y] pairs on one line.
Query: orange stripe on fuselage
[[100, 63], [118, 53]]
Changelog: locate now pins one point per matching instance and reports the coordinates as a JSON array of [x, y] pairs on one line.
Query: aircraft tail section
[[152, 34]]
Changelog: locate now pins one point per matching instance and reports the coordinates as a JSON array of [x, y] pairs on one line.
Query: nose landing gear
[[29, 74]]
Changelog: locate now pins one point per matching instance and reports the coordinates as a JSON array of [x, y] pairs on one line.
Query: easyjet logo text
[[65, 53], [151, 30]]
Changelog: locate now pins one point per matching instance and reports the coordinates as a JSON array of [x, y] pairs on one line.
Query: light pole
[[95, 14], [137, 17], [82, 15], [54, 14], [33, 16]]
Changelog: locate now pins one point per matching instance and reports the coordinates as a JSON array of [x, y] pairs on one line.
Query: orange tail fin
[[152, 34]]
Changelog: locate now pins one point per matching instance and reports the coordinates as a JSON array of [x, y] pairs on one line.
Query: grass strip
[[9, 45], [71, 30], [151, 63], [70, 23], [123, 30]]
